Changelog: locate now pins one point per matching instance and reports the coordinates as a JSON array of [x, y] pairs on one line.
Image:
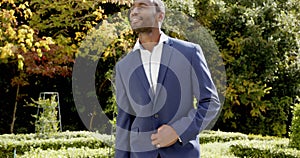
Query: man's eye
[[139, 7]]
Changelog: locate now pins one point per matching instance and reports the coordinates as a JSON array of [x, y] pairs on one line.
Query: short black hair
[[160, 6]]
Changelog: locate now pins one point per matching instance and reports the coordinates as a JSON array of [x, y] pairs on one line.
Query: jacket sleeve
[[208, 104], [124, 119]]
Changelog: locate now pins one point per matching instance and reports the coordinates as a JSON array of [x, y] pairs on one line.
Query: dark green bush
[[295, 128]]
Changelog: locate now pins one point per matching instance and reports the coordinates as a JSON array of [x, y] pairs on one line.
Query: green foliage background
[[258, 41]]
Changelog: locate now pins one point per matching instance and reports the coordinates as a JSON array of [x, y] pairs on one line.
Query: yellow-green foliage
[[47, 120], [15, 37]]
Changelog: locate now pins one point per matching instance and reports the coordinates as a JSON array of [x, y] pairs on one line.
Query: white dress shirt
[[151, 60]]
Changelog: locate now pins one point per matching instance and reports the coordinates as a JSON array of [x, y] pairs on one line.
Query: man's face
[[143, 16]]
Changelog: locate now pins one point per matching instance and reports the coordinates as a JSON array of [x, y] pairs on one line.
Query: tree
[[16, 39], [258, 42], [42, 37]]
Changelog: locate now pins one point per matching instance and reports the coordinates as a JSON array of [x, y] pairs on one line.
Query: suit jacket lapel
[[164, 66], [140, 72], [165, 61]]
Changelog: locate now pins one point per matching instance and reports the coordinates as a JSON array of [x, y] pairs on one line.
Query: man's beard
[[142, 29]]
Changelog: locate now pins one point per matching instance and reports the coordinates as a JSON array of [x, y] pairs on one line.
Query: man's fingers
[[154, 142], [153, 137], [164, 137]]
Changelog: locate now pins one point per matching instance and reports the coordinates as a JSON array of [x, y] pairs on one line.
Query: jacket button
[[156, 116]]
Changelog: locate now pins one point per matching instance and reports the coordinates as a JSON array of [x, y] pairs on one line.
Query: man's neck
[[149, 39]]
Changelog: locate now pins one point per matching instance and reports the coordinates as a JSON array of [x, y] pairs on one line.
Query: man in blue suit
[[156, 85]]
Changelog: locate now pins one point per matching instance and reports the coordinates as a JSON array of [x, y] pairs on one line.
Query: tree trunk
[[15, 110]]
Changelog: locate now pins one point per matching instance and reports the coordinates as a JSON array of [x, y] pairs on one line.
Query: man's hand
[[165, 136]]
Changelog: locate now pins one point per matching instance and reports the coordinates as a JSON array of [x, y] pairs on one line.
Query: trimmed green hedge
[[32, 136], [263, 138], [83, 152], [242, 145], [264, 149], [65, 140], [89, 144], [219, 136]]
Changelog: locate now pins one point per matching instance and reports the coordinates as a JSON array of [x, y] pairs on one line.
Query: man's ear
[[161, 17]]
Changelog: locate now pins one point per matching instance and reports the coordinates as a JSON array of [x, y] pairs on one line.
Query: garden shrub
[[89, 144], [216, 150], [219, 136], [295, 128], [47, 120], [33, 136], [264, 149], [260, 137], [7, 146], [82, 152]]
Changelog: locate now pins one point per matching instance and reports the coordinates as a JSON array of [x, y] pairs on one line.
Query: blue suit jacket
[[183, 76]]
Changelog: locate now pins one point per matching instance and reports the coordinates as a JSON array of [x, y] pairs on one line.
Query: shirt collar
[[163, 38]]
